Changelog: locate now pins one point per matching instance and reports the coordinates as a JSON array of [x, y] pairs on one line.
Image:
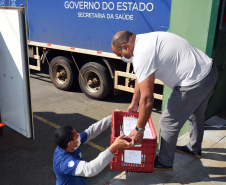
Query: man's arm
[[92, 168], [96, 128], [145, 107], [146, 100], [89, 169]]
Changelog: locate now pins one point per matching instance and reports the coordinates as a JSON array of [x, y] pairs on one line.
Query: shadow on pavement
[[26, 161]]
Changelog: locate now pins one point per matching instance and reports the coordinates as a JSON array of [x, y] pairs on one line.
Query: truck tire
[[62, 73], [95, 81]]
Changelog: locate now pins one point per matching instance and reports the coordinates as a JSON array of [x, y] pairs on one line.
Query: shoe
[[185, 150], [160, 167]]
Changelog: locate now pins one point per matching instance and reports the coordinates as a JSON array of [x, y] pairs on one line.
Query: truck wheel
[[95, 81], [62, 73]]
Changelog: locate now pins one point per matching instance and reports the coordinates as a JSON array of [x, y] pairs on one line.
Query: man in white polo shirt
[[184, 68]]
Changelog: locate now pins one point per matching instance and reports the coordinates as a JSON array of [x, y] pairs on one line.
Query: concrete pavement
[[210, 169]]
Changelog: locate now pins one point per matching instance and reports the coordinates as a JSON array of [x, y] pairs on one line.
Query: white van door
[[15, 97]]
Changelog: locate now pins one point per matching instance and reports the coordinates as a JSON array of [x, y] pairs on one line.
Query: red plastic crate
[[148, 146]]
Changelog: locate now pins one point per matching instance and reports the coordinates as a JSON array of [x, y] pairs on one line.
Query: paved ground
[[209, 170], [24, 161]]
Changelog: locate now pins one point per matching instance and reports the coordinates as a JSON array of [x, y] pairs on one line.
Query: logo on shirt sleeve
[[71, 164]]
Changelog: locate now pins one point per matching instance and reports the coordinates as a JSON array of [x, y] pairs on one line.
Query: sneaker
[[185, 150], [160, 167]]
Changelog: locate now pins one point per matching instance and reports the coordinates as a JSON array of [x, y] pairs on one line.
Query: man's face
[[117, 52], [75, 137], [124, 52]]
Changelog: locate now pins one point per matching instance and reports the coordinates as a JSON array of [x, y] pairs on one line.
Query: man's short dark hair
[[122, 38], [63, 136]]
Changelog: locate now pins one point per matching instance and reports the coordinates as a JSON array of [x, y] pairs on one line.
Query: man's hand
[[119, 143], [137, 137], [132, 108]]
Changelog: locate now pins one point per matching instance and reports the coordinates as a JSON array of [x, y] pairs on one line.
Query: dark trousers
[[185, 103]]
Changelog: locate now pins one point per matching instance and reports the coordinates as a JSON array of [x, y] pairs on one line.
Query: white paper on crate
[[129, 124], [132, 156]]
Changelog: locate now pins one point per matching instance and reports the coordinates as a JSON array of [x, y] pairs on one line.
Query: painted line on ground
[[96, 146], [46, 121], [57, 126]]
